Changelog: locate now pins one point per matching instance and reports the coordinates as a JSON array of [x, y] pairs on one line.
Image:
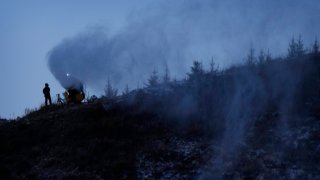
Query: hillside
[[253, 121], [86, 141]]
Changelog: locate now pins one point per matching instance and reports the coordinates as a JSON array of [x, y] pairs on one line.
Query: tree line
[[296, 49]]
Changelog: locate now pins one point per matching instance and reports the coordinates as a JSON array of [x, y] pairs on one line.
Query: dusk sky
[[29, 30]]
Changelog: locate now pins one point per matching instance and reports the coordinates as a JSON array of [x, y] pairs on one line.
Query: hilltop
[[87, 141], [259, 120]]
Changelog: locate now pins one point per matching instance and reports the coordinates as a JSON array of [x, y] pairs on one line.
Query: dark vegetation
[[87, 141], [268, 107]]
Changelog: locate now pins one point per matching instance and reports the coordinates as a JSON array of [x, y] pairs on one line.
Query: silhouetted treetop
[[109, 91], [315, 47], [296, 48], [153, 79], [196, 71], [166, 76]]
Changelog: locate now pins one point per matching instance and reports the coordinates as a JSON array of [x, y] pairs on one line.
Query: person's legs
[[50, 100], [46, 101]]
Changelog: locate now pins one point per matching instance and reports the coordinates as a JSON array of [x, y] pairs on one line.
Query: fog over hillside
[[206, 90], [173, 34]]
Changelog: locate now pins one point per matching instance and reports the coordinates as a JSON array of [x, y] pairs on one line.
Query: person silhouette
[[46, 93]]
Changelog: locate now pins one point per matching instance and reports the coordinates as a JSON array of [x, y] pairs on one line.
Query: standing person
[[46, 92]]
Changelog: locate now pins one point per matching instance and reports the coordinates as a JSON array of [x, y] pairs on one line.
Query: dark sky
[[177, 31]]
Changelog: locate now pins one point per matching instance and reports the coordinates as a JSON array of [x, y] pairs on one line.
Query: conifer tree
[[268, 56], [315, 47], [166, 76], [292, 48], [126, 90], [262, 57], [196, 71], [213, 68], [154, 79], [296, 48], [109, 91], [300, 48], [251, 57]]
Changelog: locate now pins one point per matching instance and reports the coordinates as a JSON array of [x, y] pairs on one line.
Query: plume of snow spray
[[173, 34]]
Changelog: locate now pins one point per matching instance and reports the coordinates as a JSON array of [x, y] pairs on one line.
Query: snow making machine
[[74, 90], [72, 95]]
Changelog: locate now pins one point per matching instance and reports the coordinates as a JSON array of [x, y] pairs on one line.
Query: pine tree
[[315, 47], [250, 57], [300, 48], [262, 57], [268, 56], [154, 79], [213, 68], [109, 91], [166, 76], [296, 49], [196, 71], [292, 48], [126, 90]]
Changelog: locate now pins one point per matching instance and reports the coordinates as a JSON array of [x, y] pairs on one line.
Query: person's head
[[46, 84]]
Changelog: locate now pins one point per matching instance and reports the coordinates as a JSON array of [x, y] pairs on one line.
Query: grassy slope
[[86, 141]]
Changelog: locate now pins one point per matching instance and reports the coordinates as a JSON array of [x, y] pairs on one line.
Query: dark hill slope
[[252, 121], [86, 141]]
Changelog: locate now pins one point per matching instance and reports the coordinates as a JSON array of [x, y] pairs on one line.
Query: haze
[[152, 33]]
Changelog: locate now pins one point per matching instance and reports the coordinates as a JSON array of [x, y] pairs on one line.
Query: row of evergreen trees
[[296, 49]]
